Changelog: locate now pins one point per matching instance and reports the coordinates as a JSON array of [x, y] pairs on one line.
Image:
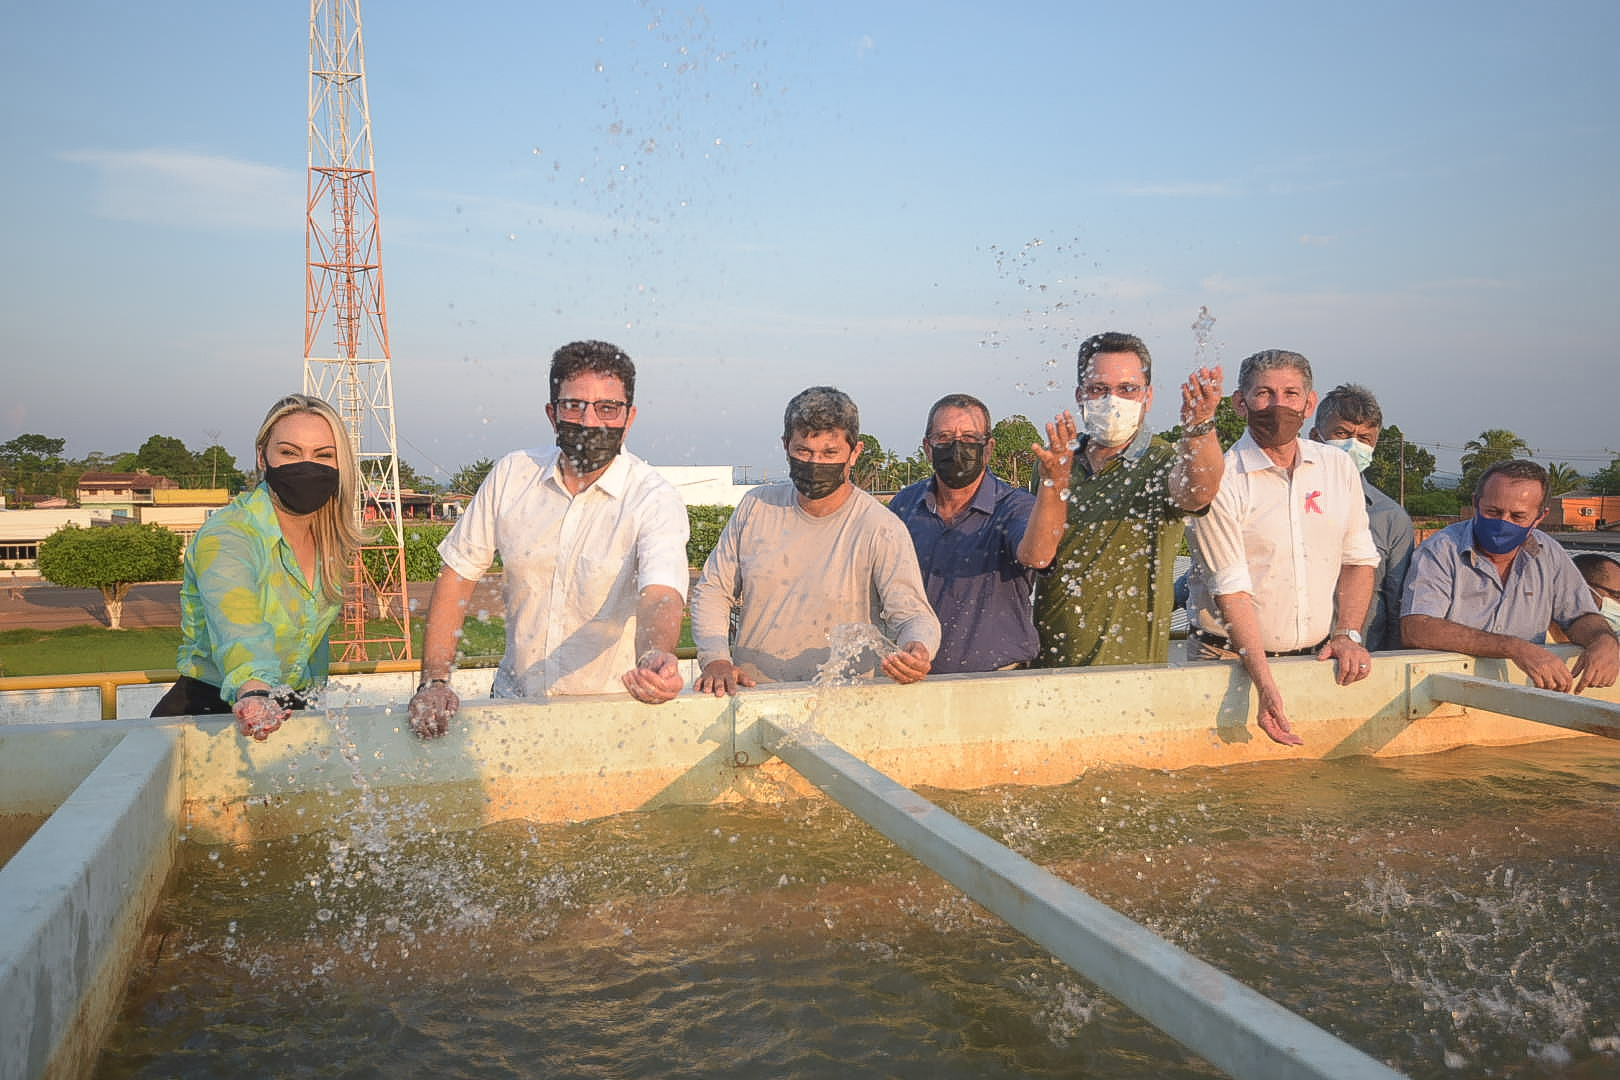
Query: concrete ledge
[[76, 899]]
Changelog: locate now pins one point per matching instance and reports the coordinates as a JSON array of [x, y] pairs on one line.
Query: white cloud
[[1313, 240], [203, 191], [863, 45]]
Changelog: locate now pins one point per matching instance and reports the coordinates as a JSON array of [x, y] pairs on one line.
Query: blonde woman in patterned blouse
[[264, 576]]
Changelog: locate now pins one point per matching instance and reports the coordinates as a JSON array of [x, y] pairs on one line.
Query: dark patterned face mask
[[589, 448], [817, 479], [958, 463]]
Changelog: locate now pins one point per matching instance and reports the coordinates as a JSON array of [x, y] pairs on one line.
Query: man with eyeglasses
[[593, 543], [798, 561], [1489, 585], [1108, 596], [1283, 562], [979, 540]]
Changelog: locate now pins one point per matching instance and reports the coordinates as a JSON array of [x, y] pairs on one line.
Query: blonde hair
[[336, 531]]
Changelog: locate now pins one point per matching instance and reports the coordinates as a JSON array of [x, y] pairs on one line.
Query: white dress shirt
[[1282, 539], [575, 566]]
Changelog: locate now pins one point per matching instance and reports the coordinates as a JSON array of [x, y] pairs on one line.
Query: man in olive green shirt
[[1106, 598]]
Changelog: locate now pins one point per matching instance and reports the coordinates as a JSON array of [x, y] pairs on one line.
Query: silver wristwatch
[[1353, 635]]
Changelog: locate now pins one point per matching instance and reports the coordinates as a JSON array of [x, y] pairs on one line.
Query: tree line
[[34, 464]]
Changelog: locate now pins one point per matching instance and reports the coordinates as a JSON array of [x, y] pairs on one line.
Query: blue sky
[[902, 200]]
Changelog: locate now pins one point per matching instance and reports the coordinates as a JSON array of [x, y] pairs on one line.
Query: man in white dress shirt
[[1285, 543], [593, 542]]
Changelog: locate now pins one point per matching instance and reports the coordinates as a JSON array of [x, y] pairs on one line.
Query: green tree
[[1492, 446], [910, 469], [1013, 460], [1606, 481], [467, 478], [1436, 502], [110, 558], [705, 523], [164, 455], [1385, 471], [422, 561], [216, 467], [875, 468], [27, 457], [1562, 477], [1229, 425], [411, 480]]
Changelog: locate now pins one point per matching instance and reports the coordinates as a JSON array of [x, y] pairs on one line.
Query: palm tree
[[1562, 477], [1493, 445]]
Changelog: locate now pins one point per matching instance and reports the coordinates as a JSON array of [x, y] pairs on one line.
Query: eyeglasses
[[946, 438], [1098, 391], [607, 410], [1604, 590]]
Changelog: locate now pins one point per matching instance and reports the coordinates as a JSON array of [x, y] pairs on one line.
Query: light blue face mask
[[1359, 452], [1610, 610]]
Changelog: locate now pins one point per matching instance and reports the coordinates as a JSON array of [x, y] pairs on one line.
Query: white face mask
[[1359, 451], [1111, 420], [1610, 610]]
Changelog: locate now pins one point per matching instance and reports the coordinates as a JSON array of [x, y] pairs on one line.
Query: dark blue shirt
[[979, 589]]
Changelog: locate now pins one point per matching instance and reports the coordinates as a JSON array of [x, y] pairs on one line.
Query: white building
[[704, 485]]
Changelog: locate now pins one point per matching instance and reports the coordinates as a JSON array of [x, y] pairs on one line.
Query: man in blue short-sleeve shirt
[[980, 540], [1488, 586]]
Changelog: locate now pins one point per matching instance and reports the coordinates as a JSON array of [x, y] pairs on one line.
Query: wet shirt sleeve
[[1571, 598], [1431, 579], [718, 591], [470, 547], [898, 579], [661, 542], [1218, 539]]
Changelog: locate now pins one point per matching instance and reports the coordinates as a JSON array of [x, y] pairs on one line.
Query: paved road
[[43, 606]]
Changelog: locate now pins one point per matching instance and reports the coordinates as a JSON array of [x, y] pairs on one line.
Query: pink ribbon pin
[[1310, 503]]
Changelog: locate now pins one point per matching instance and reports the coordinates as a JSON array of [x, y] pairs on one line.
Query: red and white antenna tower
[[346, 356]]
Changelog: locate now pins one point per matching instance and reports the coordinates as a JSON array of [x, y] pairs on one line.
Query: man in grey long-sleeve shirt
[[798, 560], [1349, 418]]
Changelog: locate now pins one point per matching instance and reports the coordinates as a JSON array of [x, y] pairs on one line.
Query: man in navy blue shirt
[[980, 540]]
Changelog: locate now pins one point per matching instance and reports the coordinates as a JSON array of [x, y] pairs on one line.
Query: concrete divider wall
[[589, 757], [74, 902]]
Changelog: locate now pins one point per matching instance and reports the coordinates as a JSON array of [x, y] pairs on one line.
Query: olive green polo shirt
[[1108, 595]]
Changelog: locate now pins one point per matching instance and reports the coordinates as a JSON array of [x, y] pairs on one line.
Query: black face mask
[[817, 479], [303, 487], [957, 464], [588, 448]]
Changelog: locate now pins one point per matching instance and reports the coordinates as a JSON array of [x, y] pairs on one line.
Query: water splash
[[853, 645]]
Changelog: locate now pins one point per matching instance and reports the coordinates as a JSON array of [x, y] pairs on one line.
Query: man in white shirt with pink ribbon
[[1284, 545]]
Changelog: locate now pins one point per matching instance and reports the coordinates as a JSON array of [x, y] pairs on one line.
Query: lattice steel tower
[[346, 355]]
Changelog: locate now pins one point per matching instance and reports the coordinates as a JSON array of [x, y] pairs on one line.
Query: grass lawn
[[78, 649], [75, 649]]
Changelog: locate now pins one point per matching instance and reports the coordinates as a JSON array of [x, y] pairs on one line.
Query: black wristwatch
[[431, 682]]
